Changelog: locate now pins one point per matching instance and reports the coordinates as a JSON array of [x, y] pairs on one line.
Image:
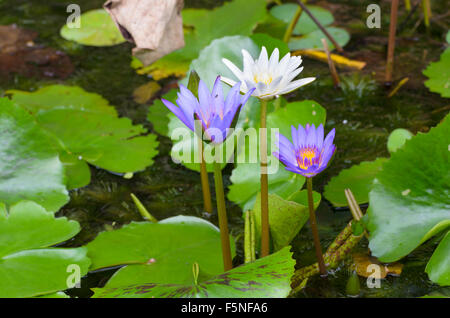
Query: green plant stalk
[[391, 42], [336, 252], [142, 210], [426, 12], [291, 26], [408, 5], [249, 237], [264, 182], [223, 222], [313, 222], [207, 203]]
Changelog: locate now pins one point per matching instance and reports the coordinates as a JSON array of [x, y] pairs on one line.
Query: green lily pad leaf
[[77, 170], [313, 40], [286, 219], [270, 43], [268, 277], [447, 38], [245, 177], [301, 197], [438, 268], [61, 97], [410, 198], [96, 29], [305, 24], [398, 138], [158, 113], [88, 128], [28, 267], [439, 75], [238, 17], [30, 168], [358, 179], [160, 252], [55, 295]]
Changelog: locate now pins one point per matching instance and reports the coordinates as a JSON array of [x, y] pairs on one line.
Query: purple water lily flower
[[309, 153], [210, 108]]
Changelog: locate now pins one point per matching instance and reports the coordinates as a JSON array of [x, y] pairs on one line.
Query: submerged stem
[[223, 222], [264, 182], [313, 222]]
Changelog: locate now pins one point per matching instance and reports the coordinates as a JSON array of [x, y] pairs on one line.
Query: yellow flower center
[[306, 153], [263, 78]]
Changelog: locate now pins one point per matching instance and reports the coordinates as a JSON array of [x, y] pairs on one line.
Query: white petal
[[248, 61], [228, 81], [263, 60], [296, 84], [233, 68]]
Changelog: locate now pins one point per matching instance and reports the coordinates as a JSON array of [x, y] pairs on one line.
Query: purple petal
[[301, 136], [329, 139], [295, 140], [217, 97], [177, 112], [204, 98], [311, 136], [319, 134]]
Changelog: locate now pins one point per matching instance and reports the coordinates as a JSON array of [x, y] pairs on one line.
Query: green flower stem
[[290, 29], [337, 252], [249, 237], [313, 222], [223, 222], [408, 5], [141, 208], [426, 12], [264, 182], [391, 43], [207, 203]]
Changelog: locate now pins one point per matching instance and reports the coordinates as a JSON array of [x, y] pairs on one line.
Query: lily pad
[[439, 75], [358, 178], [238, 17], [29, 165], [28, 266], [267, 277], [398, 138], [245, 177], [162, 252], [88, 128], [313, 40], [439, 264], [158, 113], [96, 29], [286, 219], [305, 24], [410, 199]]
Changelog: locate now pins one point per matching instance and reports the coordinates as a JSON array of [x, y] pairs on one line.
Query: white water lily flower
[[271, 77]]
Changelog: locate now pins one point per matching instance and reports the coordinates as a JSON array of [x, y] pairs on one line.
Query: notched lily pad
[[28, 266], [439, 75], [162, 252], [267, 277], [96, 29], [29, 165]]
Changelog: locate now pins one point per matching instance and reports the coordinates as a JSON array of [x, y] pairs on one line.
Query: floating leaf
[[61, 97], [29, 165], [28, 267], [357, 178], [88, 128], [246, 176], [145, 92], [439, 75], [96, 29], [267, 277], [410, 199], [158, 113], [313, 40], [238, 17], [398, 138], [301, 197], [438, 268], [361, 263], [305, 24], [160, 252], [286, 219]]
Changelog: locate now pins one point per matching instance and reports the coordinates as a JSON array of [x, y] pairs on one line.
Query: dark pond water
[[363, 118]]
